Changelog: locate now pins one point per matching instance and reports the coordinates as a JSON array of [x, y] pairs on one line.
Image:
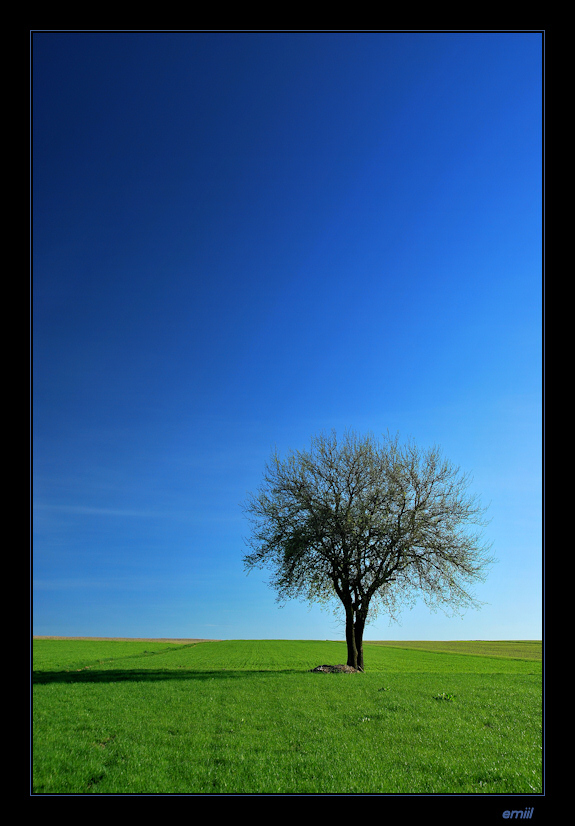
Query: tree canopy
[[370, 524]]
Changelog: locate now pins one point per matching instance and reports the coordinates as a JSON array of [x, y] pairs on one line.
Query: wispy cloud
[[85, 509], [77, 582], [125, 583]]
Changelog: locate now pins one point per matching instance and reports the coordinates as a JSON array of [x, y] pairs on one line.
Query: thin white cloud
[[84, 509], [78, 582], [124, 583]]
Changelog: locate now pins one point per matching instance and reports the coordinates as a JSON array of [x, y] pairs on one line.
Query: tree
[[371, 524]]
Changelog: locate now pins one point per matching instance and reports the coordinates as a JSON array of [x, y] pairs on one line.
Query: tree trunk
[[358, 635], [354, 626], [350, 637]]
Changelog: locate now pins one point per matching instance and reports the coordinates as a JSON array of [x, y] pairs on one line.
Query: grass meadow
[[248, 716]]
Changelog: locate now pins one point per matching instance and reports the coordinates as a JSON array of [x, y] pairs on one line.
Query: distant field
[[515, 649], [248, 716], [129, 639]]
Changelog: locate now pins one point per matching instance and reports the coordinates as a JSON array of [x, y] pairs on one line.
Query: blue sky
[[243, 239]]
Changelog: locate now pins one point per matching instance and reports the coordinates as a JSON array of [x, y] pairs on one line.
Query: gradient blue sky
[[242, 239]]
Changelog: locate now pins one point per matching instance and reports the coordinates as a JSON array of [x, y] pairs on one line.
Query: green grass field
[[248, 716]]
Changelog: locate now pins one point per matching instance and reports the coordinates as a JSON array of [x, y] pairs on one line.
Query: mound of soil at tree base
[[333, 669]]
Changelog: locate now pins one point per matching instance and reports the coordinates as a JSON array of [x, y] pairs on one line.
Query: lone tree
[[371, 524]]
